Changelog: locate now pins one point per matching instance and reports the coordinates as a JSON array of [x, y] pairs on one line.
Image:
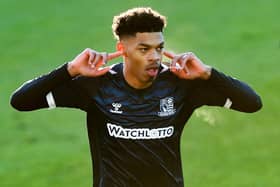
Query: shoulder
[[115, 70], [166, 75], [164, 68]]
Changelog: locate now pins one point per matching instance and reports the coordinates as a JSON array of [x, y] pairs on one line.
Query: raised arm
[[211, 87], [41, 92]]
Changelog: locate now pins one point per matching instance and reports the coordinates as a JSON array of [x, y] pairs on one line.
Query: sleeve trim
[[228, 103], [50, 100]]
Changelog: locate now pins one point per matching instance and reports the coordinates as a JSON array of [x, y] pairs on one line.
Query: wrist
[[206, 73], [71, 69]]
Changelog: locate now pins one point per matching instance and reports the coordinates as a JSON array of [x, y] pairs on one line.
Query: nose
[[154, 56]]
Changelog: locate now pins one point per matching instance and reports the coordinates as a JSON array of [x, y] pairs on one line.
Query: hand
[[188, 66], [89, 63]]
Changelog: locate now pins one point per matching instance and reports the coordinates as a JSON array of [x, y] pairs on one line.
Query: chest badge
[[116, 108], [167, 107]]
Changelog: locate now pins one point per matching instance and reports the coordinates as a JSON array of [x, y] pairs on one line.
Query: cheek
[[137, 61]]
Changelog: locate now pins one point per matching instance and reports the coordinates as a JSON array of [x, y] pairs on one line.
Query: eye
[[159, 49], [143, 50]]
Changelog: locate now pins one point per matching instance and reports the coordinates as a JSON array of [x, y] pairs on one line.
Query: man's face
[[143, 55]]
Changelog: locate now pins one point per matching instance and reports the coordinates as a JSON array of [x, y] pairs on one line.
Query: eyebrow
[[147, 45]]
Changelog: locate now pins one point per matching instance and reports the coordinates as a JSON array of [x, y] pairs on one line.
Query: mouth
[[152, 70]]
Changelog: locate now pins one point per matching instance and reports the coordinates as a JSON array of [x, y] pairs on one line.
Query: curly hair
[[141, 19]]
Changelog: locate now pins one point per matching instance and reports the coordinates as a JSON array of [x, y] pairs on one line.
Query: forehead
[[147, 38]]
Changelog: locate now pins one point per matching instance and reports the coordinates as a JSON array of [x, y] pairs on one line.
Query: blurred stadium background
[[219, 147]]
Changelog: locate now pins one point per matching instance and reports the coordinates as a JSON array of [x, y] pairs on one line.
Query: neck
[[132, 80]]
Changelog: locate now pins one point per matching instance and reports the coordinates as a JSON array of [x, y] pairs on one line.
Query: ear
[[120, 47]]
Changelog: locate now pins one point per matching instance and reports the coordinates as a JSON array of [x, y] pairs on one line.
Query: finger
[[96, 60], [175, 64], [178, 60], [185, 60], [177, 72], [102, 71], [195, 58], [91, 57], [116, 54], [104, 58], [100, 63], [168, 54]]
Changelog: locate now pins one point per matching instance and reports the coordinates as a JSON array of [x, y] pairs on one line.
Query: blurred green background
[[219, 147]]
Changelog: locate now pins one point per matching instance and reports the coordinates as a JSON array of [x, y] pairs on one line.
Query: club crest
[[167, 107]]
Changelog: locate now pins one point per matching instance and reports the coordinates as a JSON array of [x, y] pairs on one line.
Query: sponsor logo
[[139, 133], [167, 107], [116, 108]]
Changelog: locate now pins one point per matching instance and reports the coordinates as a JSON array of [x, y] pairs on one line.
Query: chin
[[150, 80]]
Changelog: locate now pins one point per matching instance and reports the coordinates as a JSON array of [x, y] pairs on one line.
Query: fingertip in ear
[[119, 47]]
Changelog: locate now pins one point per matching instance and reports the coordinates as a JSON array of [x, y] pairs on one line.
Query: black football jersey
[[134, 134]]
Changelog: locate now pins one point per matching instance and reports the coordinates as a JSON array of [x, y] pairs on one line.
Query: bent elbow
[[16, 101], [259, 104], [248, 105], [255, 105]]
